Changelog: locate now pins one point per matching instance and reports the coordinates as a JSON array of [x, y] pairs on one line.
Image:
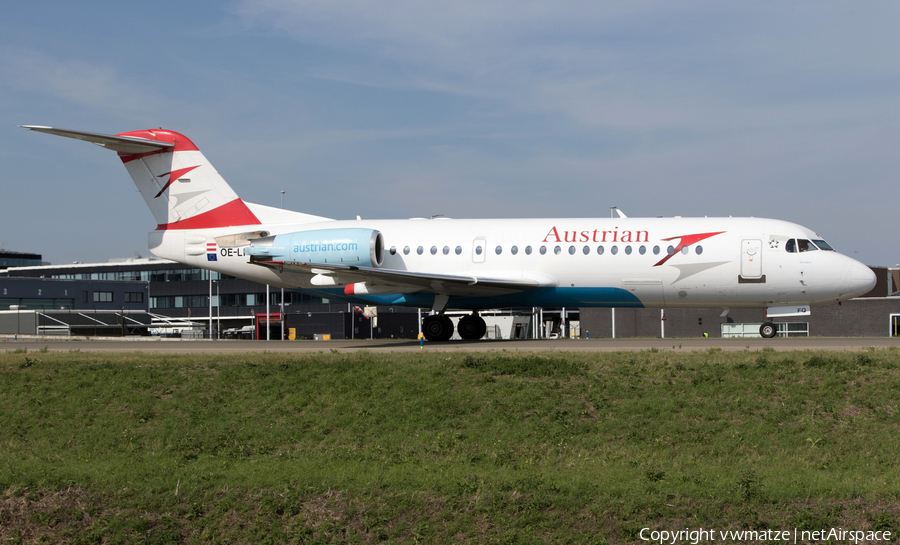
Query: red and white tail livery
[[181, 187]]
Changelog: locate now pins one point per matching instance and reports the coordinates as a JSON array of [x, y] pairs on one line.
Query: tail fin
[[179, 185]]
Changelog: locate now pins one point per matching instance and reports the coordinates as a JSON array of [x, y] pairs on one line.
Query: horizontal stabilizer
[[121, 144]]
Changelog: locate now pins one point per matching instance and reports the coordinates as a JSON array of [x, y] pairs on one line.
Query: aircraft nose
[[862, 280]]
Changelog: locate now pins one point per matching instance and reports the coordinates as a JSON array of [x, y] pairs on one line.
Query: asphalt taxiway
[[177, 346]]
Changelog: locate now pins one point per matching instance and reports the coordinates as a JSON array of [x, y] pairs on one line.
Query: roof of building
[[19, 255]]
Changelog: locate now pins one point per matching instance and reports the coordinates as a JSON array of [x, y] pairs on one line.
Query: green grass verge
[[435, 447]]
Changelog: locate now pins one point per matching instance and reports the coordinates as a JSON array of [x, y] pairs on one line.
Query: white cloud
[[637, 65], [75, 81]]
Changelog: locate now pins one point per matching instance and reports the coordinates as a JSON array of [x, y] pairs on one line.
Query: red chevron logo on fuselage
[[174, 175], [685, 240]]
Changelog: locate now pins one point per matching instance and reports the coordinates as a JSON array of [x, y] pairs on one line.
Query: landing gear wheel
[[471, 327], [768, 330], [482, 328], [437, 328]]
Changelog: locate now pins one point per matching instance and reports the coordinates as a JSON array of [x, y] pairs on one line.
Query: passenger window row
[[514, 250]]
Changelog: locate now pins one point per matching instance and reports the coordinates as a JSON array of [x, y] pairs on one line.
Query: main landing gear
[[439, 327], [471, 327]]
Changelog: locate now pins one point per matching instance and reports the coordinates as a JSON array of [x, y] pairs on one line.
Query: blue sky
[[467, 109]]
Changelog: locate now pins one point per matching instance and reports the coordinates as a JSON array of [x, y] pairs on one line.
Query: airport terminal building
[[177, 298], [19, 259]]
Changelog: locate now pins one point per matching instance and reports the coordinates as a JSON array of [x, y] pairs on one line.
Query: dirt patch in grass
[[28, 516]]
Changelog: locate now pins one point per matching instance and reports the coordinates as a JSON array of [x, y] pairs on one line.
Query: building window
[[84, 297], [134, 297], [162, 302], [103, 297]]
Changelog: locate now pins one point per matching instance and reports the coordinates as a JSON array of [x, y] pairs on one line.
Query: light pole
[[218, 312], [282, 289], [210, 304]]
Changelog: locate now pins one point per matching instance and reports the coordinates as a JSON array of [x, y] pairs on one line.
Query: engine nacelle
[[359, 247]]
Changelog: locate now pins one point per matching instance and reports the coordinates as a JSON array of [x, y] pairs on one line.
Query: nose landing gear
[[768, 330]]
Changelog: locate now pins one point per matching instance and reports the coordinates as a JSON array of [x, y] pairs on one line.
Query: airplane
[[476, 264]]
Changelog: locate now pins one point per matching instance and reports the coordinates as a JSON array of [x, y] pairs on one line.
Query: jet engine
[[358, 247]]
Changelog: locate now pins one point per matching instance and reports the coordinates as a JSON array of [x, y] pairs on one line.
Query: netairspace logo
[[694, 537]]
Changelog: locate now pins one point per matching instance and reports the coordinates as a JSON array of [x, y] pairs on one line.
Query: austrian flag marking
[[211, 251]]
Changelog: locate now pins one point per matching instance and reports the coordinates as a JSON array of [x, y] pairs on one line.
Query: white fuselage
[[717, 262]]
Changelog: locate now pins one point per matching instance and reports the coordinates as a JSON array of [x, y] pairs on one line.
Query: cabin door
[[751, 259]]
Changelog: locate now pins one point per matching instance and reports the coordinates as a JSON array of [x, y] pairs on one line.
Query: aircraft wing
[[123, 144], [443, 284]]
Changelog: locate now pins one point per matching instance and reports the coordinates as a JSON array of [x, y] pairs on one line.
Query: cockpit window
[[823, 245], [802, 245], [805, 245]]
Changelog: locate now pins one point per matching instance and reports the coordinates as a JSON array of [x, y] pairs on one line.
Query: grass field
[[435, 448]]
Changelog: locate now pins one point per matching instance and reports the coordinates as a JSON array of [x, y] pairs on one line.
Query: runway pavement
[[177, 346]]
